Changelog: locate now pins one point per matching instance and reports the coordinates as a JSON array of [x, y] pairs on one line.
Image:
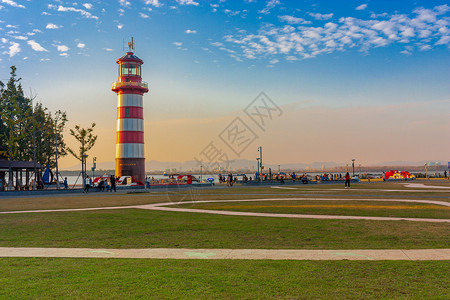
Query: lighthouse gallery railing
[[129, 83]]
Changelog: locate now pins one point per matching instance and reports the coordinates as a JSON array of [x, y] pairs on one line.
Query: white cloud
[[64, 54], [44, 59], [144, 16], [4, 41], [361, 7], [61, 48], [81, 45], [155, 3], [269, 6], [319, 16], [190, 31], [20, 37], [443, 40], [14, 49], [120, 26], [293, 20], [12, 3], [87, 5], [422, 29], [108, 49], [442, 9], [187, 2], [36, 46], [178, 44], [424, 47], [52, 26], [124, 3], [83, 13]]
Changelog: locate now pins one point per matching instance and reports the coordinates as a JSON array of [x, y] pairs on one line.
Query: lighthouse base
[[131, 167]]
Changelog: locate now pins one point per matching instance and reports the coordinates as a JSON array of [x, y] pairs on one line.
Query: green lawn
[[229, 279], [134, 228], [363, 190], [341, 207]]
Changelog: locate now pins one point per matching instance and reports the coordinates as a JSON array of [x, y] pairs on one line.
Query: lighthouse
[[130, 89]]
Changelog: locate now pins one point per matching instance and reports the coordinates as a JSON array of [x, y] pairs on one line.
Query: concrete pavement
[[175, 253]]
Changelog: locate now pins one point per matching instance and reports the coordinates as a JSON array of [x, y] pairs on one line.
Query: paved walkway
[[171, 253], [166, 206]]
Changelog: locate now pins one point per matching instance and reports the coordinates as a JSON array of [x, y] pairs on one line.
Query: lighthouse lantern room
[[130, 158]]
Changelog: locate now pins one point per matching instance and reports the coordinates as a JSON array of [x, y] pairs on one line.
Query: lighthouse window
[[130, 69], [127, 112]]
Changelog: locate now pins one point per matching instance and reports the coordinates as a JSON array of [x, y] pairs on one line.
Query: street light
[[201, 172], [353, 166], [94, 166], [257, 165], [260, 162]]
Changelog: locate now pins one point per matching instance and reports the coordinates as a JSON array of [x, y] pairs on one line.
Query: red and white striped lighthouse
[[130, 159]]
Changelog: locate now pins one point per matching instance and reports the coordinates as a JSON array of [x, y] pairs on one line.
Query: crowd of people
[[104, 184]]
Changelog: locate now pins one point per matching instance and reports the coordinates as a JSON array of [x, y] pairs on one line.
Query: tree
[[47, 129], [15, 116], [87, 139], [29, 132]]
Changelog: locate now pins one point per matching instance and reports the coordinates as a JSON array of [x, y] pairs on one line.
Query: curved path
[[166, 206]]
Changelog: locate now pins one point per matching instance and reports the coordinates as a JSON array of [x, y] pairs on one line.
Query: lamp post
[[201, 172], [279, 169], [94, 166], [56, 152], [353, 166], [257, 165], [260, 162]]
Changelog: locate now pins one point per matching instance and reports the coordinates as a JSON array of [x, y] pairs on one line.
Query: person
[[101, 185], [347, 180], [113, 183], [88, 184], [66, 185], [107, 187], [293, 176], [445, 174]]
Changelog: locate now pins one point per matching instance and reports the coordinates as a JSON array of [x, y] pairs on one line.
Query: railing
[[116, 85]]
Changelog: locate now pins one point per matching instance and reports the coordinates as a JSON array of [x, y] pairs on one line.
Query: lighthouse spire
[[131, 45]]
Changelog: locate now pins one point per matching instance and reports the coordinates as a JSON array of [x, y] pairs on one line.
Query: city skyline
[[363, 79]]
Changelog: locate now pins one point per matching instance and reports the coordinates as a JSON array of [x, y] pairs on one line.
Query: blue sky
[[353, 76]]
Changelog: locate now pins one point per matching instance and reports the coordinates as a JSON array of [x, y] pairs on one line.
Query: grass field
[[345, 208], [363, 190], [145, 278], [133, 228], [198, 279]]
